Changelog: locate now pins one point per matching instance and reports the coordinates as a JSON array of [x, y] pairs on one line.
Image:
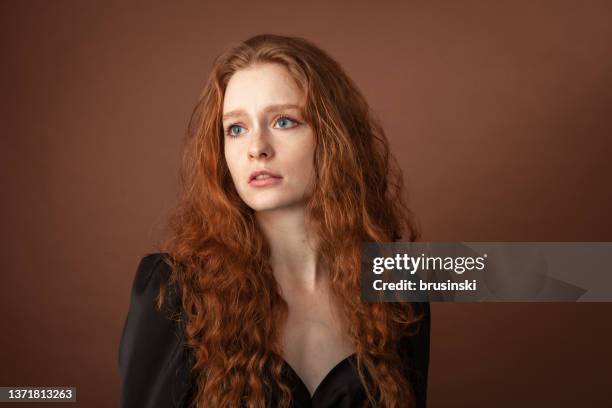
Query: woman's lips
[[265, 182]]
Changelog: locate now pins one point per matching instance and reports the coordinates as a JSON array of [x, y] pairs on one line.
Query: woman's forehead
[[260, 87]]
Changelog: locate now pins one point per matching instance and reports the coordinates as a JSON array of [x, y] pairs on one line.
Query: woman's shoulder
[[151, 266], [150, 352], [414, 351], [153, 272], [144, 317]]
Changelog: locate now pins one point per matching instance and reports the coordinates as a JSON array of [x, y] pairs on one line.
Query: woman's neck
[[295, 260]]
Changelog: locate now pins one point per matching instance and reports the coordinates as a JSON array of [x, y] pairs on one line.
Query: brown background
[[499, 115]]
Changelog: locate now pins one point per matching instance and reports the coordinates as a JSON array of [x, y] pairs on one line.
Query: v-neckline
[[325, 379]]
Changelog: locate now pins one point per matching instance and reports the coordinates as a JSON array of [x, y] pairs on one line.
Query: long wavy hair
[[220, 258]]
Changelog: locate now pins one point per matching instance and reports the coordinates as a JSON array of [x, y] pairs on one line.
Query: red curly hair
[[220, 257]]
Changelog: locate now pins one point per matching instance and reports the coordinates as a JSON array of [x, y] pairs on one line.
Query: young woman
[[254, 298]]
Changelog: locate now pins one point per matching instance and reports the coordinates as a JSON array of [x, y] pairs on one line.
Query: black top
[[155, 367]]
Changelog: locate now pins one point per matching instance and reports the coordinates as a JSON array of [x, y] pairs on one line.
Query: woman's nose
[[260, 145]]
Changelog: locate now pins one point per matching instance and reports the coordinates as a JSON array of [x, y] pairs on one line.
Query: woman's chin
[[274, 205]]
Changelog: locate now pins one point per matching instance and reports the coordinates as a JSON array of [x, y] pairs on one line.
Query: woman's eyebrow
[[271, 108]]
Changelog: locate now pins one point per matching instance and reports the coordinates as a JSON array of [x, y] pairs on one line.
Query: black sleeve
[[152, 362], [414, 351]]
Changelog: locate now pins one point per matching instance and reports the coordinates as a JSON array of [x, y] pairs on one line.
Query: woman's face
[[264, 131]]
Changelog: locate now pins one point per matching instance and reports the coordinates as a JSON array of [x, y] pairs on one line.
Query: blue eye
[[232, 134], [284, 119]]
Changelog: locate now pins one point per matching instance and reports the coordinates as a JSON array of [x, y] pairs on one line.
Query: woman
[[257, 289]]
